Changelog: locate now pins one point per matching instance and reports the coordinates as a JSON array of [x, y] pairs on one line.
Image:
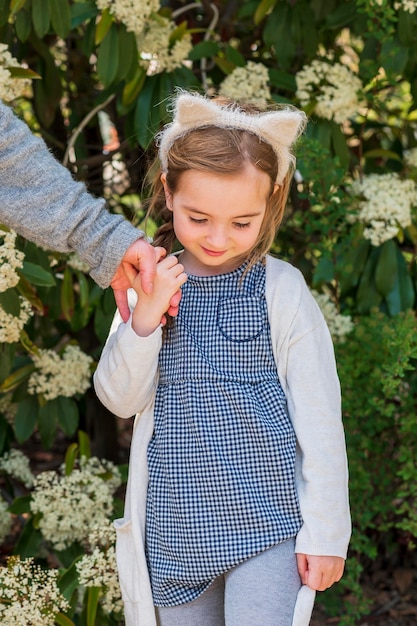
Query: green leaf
[[37, 275], [9, 302], [234, 56], [93, 595], [47, 422], [386, 268], [41, 17], [282, 80], [67, 295], [60, 17], [63, 620], [70, 458], [340, 146], [394, 58], [103, 26], [264, 7], [16, 5], [342, 16], [68, 416], [128, 53], [402, 295], [4, 11], [29, 541], [108, 57], [368, 296], [20, 505], [84, 444], [82, 12], [144, 132], [133, 87], [68, 582], [23, 72], [16, 378], [25, 418], [7, 351], [23, 25], [204, 49]]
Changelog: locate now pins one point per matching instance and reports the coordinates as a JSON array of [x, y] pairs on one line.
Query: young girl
[[237, 506]]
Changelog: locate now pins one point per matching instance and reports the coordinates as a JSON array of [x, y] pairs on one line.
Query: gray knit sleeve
[[41, 201]]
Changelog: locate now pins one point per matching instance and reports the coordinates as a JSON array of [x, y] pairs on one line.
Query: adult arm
[[41, 201]]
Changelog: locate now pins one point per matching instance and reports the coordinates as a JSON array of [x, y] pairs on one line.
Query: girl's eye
[[240, 225], [197, 221]]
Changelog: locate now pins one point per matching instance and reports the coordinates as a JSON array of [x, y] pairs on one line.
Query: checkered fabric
[[222, 458]]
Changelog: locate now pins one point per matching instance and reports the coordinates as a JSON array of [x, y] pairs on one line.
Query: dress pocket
[[241, 319]]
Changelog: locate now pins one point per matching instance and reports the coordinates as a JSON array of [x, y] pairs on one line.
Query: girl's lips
[[214, 252]]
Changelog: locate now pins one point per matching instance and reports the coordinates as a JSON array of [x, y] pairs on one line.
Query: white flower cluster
[[16, 464], [155, 51], [339, 325], [11, 259], [76, 263], [65, 375], [408, 6], [5, 522], [385, 205], [73, 505], [10, 88], [29, 594], [10, 325], [333, 86], [99, 569], [133, 13], [410, 157], [248, 83], [8, 408]]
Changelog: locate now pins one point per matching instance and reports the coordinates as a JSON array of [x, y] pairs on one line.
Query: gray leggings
[[262, 591]]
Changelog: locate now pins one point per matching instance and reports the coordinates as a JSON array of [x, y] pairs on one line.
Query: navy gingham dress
[[222, 457]]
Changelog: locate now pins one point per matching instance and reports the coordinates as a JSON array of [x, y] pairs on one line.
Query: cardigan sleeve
[[307, 370], [42, 202], [127, 374]]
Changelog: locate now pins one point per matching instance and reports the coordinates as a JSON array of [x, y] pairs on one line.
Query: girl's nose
[[217, 237]]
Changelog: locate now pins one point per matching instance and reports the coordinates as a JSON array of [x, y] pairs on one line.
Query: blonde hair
[[222, 151]]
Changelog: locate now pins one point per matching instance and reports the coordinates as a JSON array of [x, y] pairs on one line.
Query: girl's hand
[[320, 572], [151, 308]]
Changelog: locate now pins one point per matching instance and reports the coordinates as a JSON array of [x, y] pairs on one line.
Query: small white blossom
[[156, 53], [29, 594], [409, 6], [410, 157], [73, 505], [16, 464], [339, 325], [5, 521], [99, 568], [10, 88], [76, 263], [333, 86], [10, 325], [11, 259], [385, 205], [248, 83], [8, 408], [133, 13], [65, 375]]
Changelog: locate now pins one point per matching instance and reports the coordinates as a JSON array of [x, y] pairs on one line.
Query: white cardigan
[[125, 382]]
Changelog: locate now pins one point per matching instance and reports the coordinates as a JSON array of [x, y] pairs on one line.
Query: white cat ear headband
[[278, 128]]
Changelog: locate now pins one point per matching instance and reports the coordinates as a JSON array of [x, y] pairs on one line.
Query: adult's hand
[[140, 258]]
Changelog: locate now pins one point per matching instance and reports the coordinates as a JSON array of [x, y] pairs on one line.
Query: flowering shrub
[[158, 52], [29, 594], [57, 376], [332, 87], [386, 206], [10, 88], [248, 83], [70, 506]]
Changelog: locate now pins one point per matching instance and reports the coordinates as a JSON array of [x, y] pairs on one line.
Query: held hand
[[140, 258], [320, 572], [150, 309]]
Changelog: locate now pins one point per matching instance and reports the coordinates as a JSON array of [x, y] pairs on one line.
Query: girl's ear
[[168, 194], [276, 187]]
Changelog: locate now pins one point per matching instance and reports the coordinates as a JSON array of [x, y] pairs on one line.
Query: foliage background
[[97, 80]]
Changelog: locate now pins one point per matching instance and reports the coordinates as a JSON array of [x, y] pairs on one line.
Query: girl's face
[[217, 217]]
